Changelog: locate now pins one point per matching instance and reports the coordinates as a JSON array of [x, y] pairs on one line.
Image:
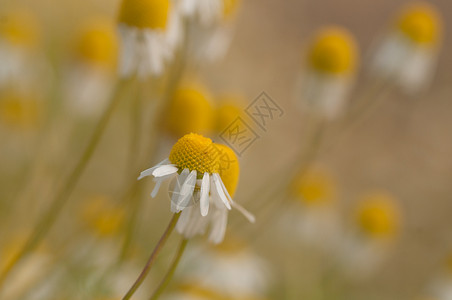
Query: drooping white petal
[[183, 221], [156, 188], [176, 189], [186, 191], [219, 190], [225, 190], [244, 212], [148, 172], [164, 170], [204, 200], [219, 226]]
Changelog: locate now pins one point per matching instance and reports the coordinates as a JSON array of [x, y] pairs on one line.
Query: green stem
[[46, 222], [153, 256], [169, 275]]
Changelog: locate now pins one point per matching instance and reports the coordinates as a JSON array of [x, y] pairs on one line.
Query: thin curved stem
[[153, 256], [47, 221], [169, 275]]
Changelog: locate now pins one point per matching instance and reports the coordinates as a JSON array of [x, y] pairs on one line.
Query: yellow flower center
[[101, 216], [151, 14], [421, 23], [228, 167], [227, 113], [190, 111], [97, 43], [19, 111], [378, 216], [19, 28], [314, 187], [333, 51], [195, 152]]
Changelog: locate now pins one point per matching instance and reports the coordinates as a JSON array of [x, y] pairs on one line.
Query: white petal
[[148, 172], [186, 191], [164, 170], [220, 191], [156, 188], [176, 190], [205, 188], [244, 212], [219, 226], [225, 190], [183, 221]]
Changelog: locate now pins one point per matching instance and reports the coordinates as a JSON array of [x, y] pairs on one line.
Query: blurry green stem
[[153, 256], [46, 222], [169, 275]]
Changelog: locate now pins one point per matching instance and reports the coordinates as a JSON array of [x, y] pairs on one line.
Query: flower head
[[314, 187], [152, 14], [229, 109], [420, 22], [206, 174], [189, 111], [378, 216], [333, 51], [97, 43]]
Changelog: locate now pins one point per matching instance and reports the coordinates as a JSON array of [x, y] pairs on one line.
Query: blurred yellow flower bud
[[151, 14], [20, 28], [315, 187]]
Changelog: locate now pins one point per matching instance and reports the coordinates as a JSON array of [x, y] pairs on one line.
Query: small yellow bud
[[20, 28], [152, 14]]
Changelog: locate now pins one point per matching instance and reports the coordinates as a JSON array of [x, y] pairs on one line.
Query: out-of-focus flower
[[93, 68], [377, 224], [331, 61], [231, 270], [101, 216], [315, 215], [19, 40], [149, 33], [210, 27], [441, 286], [190, 110], [206, 175], [19, 110], [408, 53], [228, 110]]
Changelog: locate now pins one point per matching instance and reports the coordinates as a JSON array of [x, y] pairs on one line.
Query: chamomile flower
[[314, 212], [206, 175], [228, 110], [331, 61], [376, 225], [408, 53], [190, 110], [210, 27], [92, 71], [19, 39], [149, 32]]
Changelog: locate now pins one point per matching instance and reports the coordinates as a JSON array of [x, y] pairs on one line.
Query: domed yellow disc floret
[[378, 216], [97, 43], [19, 28], [228, 167], [195, 152], [333, 51], [421, 23], [314, 187], [227, 112], [151, 14], [189, 111]]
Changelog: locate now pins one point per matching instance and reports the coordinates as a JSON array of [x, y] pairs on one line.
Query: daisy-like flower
[[19, 38], [206, 175], [315, 214], [91, 73], [150, 32], [377, 222], [331, 65], [210, 27], [190, 110], [228, 110], [408, 53]]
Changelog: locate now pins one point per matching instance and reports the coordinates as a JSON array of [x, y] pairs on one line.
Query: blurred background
[[401, 145]]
